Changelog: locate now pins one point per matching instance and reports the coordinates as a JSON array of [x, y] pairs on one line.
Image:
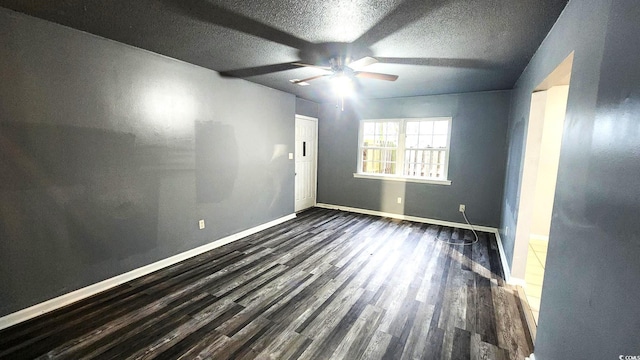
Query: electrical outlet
[[399, 200], [462, 208], [290, 156], [201, 224]]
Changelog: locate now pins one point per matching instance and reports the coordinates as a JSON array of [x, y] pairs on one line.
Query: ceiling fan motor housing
[[339, 67]]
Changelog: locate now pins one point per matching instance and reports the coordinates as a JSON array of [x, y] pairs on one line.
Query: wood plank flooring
[[326, 285]]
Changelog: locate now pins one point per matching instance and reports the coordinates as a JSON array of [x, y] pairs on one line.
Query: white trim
[[305, 117], [503, 258], [407, 217], [531, 357], [401, 148], [68, 298], [402, 179], [505, 265]]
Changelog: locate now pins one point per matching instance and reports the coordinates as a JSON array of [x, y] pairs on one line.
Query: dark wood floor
[[327, 285]]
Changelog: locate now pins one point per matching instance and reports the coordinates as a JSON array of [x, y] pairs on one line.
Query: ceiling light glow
[[342, 85]]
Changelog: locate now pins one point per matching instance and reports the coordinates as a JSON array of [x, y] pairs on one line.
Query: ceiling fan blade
[[313, 66], [440, 62], [258, 70], [365, 61], [406, 13], [217, 15], [308, 79], [377, 76]]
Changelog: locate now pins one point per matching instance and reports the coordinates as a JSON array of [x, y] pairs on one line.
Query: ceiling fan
[[339, 54], [344, 68]]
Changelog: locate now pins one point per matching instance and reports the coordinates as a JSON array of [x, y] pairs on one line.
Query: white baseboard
[[68, 298], [505, 265], [407, 217], [503, 258]]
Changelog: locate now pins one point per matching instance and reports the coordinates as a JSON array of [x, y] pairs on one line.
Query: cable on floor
[[463, 243]]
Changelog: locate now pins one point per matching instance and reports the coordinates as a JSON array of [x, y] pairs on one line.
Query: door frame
[[527, 189], [561, 75], [315, 161]]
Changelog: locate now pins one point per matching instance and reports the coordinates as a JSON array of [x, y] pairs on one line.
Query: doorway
[[537, 188], [306, 162]]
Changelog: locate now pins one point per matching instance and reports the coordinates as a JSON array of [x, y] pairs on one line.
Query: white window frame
[[399, 175]]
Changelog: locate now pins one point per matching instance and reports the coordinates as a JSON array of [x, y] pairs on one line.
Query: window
[[405, 149]]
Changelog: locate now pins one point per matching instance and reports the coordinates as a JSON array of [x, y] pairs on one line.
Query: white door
[[306, 160]]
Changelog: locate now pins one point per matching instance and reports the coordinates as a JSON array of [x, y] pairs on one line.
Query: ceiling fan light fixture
[[342, 85]]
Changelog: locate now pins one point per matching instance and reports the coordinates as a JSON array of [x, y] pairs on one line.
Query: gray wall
[[590, 295], [110, 155], [479, 123], [307, 108]]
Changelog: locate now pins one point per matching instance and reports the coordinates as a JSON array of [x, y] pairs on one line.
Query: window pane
[[439, 141], [388, 155], [416, 169], [392, 134], [426, 127], [377, 155], [380, 128], [374, 167], [418, 162], [440, 127], [436, 171], [426, 141], [366, 166], [369, 128], [380, 140], [423, 154], [426, 158], [409, 169], [368, 140], [367, 154], [411, 141], [435, 157], [409, 156], [425, 170], [392, 141], [432, 170], [413, 128], [392, 128]]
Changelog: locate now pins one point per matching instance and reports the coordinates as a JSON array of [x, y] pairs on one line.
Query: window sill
[[402, 179]]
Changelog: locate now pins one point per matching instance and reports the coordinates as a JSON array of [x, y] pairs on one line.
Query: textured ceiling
[[435, 46]]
